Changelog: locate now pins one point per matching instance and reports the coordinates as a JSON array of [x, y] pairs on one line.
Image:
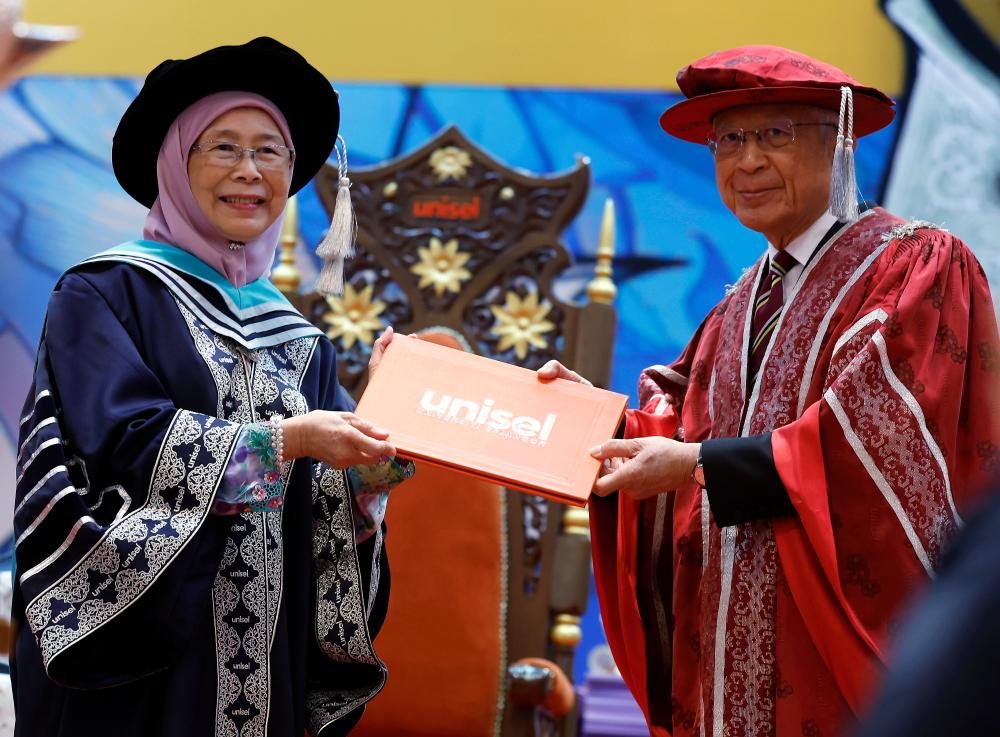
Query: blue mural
[[677, 244]]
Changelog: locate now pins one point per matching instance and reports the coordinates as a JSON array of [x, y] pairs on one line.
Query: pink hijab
[[177, 219]]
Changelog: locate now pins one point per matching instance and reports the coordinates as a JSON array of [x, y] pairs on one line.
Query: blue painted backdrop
[[677, 245]]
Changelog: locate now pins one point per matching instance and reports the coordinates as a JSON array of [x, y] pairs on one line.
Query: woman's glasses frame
[[268, 156]]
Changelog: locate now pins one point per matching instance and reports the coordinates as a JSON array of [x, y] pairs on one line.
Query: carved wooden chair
[[463, 250]]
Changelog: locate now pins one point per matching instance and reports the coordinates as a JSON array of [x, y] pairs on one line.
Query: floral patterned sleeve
[[252, 480], [371, 486]]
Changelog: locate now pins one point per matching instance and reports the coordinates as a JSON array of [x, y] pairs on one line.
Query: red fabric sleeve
[[809, 559], [613, 522], [643, 424]]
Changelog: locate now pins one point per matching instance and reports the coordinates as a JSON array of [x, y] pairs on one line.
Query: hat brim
[[691, 119], [304, 96]]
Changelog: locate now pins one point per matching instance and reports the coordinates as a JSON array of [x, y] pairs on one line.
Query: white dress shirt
[[802, 248]]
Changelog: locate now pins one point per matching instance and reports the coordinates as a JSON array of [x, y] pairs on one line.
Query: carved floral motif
[[450, 162], [442, 266], [521, 322], [354, 316], [438, 268]]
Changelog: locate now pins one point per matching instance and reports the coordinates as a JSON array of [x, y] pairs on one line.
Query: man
[[796, 474]]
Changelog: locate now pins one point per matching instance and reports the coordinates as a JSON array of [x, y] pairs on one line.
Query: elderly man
[[796, 474]]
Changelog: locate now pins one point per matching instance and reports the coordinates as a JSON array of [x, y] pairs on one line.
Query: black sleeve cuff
[[620, 431], [742, 482]]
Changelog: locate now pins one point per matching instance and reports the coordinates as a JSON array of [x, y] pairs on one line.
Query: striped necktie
[[767, 309]]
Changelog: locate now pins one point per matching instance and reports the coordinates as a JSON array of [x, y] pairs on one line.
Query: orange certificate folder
[[490, 419]]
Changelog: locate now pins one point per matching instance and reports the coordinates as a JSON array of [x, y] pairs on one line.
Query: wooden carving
[[450, 237]]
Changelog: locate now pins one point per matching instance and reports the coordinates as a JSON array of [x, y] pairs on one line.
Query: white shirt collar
[[803, 245]]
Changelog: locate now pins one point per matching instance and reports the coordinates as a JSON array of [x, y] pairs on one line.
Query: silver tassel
[[338, 243], [843, 178]]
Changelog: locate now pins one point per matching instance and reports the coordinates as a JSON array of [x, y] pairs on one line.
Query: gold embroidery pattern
[[326, 706], [247, 591], [105, 582], [341, 622], [335, 556]]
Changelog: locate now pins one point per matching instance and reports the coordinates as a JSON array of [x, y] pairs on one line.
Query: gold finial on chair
[[286, 276], [576, 521], [602, 287], [566, 631], [569, 597]]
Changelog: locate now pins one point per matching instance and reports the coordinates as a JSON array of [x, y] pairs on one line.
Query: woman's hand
[[555, 370], [339, 439], [651, 466], [378, 348]]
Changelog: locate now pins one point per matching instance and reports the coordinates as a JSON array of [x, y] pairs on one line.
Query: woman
[[191, 557]]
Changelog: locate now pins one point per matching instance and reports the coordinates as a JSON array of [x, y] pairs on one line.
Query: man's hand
[[555, 370], [651, 466], [339, 439]]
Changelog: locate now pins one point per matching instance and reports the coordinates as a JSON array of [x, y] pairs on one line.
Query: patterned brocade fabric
[[144, 612], [370, 487], [252, 482], [252, 479], [879, 392]]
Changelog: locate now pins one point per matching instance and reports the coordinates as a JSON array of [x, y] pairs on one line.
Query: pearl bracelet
[[278, 440]]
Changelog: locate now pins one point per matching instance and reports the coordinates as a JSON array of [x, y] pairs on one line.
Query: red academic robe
[[879, 391]]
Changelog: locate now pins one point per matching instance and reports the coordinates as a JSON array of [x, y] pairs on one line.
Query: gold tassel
[[338, 243]]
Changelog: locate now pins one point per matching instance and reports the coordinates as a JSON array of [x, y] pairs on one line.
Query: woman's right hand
[[339, 439], [555, 370]]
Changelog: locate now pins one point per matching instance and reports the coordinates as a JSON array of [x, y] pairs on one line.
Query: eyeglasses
[[729, 141], [225, 153]]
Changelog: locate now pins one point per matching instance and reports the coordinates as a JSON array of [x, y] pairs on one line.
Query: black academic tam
[[263, 66]]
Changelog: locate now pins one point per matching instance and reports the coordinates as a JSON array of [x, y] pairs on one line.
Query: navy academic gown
[[140, 612]]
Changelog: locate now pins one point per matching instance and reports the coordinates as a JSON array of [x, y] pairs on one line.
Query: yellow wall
[[575, 43]]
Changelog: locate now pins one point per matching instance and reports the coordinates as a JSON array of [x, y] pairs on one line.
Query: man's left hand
[[651, 466]]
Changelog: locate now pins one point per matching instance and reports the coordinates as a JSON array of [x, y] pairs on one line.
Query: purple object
[[609, 709]]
